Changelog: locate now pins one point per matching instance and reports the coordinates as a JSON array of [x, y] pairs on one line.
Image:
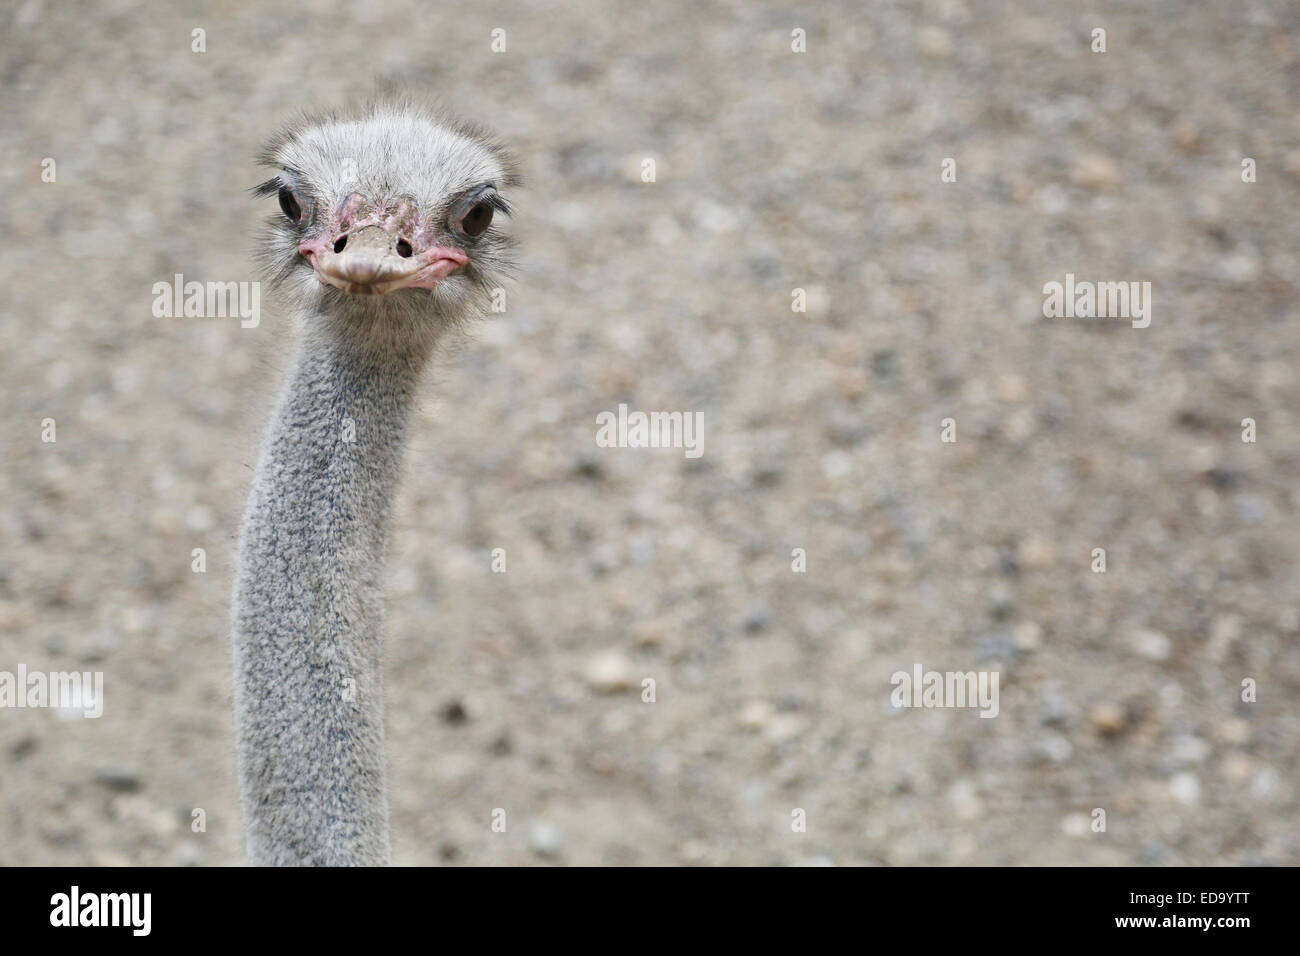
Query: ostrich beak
[[373, 261]]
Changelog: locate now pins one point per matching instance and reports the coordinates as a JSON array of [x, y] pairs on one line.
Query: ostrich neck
[[308, 606]]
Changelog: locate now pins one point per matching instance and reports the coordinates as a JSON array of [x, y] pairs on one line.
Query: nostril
[[404, 249], [342, 242]]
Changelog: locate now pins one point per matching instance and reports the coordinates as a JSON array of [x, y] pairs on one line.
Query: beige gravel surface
[[774, 171]]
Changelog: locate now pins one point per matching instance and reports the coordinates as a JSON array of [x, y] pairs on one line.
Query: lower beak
[[369, 265], [361, 274]]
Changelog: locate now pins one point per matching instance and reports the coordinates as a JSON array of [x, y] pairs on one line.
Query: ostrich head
[[388, 216]]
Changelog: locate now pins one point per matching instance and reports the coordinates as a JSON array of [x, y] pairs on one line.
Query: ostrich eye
[[476, 219], [289, 203], [473, 214]]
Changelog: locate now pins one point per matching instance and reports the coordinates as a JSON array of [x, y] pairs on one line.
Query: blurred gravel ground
[[775, 171]]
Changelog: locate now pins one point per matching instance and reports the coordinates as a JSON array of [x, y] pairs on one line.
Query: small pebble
[[1095, 171], [1150, 644], [1011, 388], [1233, 730], [1264, 782], [454, 713], [1185, 788], [1055, 748], [1053, 708], [1108, 718], [785, 727], [1027, 636], [1076, 825], [545, 839], [755, 715], [609, 672], [118, 779], [1037, 553], [1237, 767], [1187, 748]]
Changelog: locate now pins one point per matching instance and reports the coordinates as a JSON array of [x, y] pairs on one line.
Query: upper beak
[[369, 263]]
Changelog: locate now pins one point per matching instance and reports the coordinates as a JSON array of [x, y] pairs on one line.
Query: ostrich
[[384, 240]]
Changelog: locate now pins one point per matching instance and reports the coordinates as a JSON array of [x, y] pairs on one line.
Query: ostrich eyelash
[[286, 177], [497, 202], [268, 188]]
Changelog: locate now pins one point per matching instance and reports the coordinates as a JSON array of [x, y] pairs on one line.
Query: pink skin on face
[[369, 263]]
